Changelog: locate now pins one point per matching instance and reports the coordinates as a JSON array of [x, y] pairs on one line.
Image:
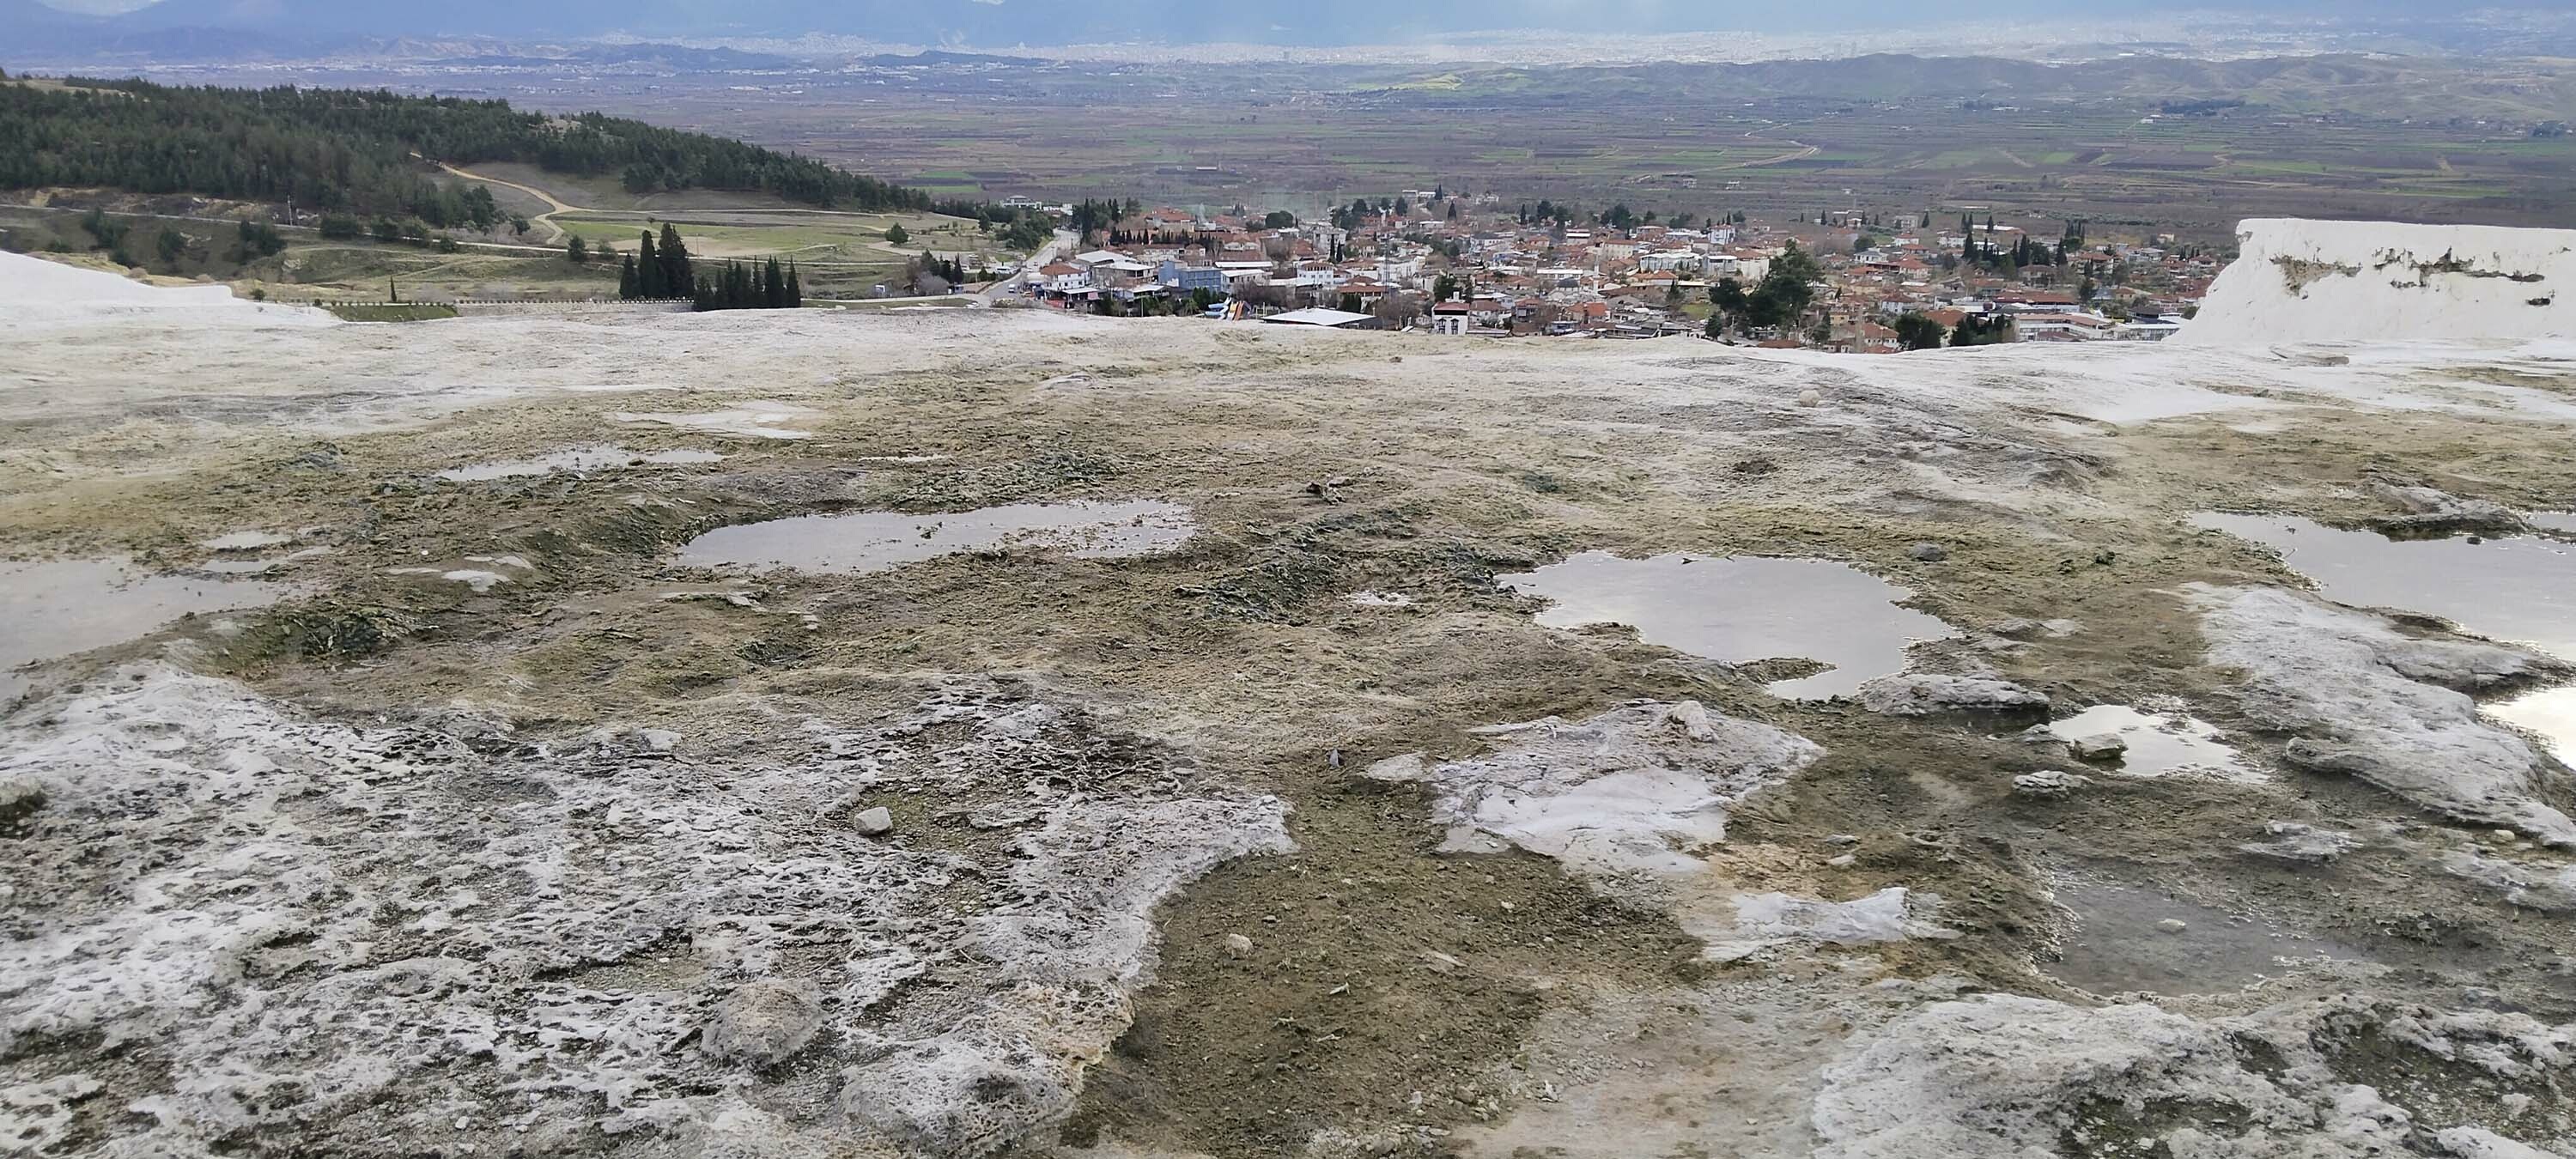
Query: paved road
[[1064, 240]]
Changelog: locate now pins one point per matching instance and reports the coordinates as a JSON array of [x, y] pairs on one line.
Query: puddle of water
[[878, 540], [2550, 712], [2521, 588], [2120, 941], [1737, 610], [2160, 744], [62, 607], [240, 566], [760, 420], [595, 458]]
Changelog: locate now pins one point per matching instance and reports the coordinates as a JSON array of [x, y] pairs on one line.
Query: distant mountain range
[[225, 28]]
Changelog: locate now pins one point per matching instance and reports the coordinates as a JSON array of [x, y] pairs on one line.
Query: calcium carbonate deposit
[[917, 755], [2368, 281], [42, 294]]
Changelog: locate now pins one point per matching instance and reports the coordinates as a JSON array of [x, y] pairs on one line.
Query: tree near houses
[[1918, 332], [1398, 309], [1780, 299], [1727, 295], [930, 274], [1982, 331]]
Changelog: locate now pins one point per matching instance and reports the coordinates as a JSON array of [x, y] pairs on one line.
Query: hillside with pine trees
[[368, 152]]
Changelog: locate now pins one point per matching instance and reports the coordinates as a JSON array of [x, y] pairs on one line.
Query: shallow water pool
[[1739, 609], [59, 608]]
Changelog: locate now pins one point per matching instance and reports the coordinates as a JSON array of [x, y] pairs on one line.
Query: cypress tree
[[773, 287], [648, 272], [626, 287], [795, 290], [676, 274]]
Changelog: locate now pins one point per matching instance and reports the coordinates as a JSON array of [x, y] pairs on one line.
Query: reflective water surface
[[1739, 609]]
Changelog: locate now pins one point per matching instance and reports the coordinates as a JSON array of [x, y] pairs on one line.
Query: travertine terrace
[[497, 824]]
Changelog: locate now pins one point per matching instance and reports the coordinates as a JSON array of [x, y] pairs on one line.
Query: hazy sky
[[1311, 22]]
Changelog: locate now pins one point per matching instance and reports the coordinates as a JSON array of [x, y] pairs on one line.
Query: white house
[[1063, 278]]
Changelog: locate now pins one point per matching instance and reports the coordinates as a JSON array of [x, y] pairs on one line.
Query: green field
[[390, 312], [2410, 137]]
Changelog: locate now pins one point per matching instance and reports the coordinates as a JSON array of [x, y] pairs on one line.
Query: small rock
[[660, 740], [764, 1022], [1334, 760], [875, 822], [2172, 925], [19, 799], [1843, 839], [1932, 695], [2295, 841], [1845, 861], [1237, 945], [1439, 963], [2100, 746], [1396, 770], [2049, 783], [1690, 718], [1811, 398], [1928, 552]]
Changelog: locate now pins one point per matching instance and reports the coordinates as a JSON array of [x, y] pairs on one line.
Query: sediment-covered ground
[[1215, 798]]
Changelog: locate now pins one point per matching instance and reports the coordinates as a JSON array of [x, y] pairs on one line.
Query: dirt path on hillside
[[557, 233]]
